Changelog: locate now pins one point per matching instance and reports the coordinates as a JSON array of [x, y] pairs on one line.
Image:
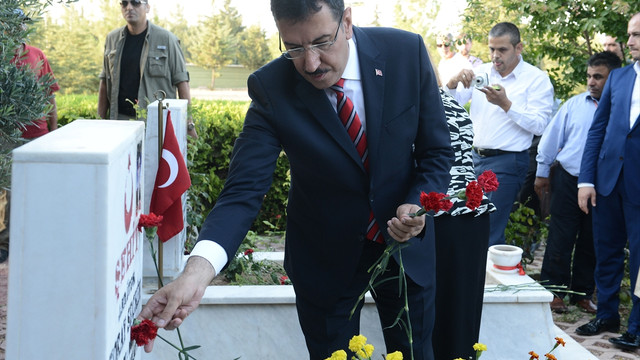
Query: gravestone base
[[513, 323]]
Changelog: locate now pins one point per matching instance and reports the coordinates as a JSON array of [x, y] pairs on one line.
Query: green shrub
[[243, 269], [525, 229], [73, 107], [218, 125]]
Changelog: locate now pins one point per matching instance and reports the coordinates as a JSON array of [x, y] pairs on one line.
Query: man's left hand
[[404, 227], [497, 96]]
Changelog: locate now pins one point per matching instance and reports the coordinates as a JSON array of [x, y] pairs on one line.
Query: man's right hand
[[171, 304], [586, 194], [465, 76], [541, 186]]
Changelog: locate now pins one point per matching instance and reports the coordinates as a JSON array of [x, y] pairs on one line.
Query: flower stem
[[406, 302], [155, 263], [177, 348]]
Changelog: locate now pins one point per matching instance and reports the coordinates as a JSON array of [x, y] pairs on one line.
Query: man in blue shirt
[[561, 147]]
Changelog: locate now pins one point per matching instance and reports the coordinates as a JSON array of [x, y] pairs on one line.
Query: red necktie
[[351, 121]]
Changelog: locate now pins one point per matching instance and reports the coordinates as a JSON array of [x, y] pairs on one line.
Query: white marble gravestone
[[76, 255], [173, 249]]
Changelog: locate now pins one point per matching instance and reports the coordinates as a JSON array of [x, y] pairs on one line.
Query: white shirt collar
[[352, 70], [515, 72]]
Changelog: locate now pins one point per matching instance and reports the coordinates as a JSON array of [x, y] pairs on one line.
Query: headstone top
[[81, 141]]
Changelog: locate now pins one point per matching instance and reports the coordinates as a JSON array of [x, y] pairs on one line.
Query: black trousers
[[327, 329], [461, 257], [570, 232]]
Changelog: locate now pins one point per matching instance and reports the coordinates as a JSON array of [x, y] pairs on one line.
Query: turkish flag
[[172, 180]]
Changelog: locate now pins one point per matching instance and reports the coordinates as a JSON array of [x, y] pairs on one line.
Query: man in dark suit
[[609, 176], [335, 186]]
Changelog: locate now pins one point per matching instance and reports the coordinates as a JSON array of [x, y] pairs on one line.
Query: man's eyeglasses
[[441, 45], [134, 3], [317, 48]]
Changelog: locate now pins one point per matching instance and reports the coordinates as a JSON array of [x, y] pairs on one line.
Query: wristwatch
[[191, 126]]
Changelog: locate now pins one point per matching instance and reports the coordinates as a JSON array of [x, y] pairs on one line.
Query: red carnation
[[473, 195], [284, 280], [248, 252], [143, 332], [488, 181], [148, 221], [435, 201]]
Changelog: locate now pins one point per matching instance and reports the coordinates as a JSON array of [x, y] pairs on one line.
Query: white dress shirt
[[448, 68], [531, 94], [212, 251], [634, 111], [352, 84]]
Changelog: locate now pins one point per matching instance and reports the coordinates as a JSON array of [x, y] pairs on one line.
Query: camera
[[480, 81]]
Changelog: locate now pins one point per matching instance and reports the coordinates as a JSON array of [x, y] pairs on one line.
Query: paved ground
[[4, 272], [598, 345]]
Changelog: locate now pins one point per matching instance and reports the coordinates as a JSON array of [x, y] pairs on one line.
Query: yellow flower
[[560, 341], [338, 355], [534, 356], [395, 356], [367, 351], [550, 357], [459, 359], [479, 347], [357, 343]]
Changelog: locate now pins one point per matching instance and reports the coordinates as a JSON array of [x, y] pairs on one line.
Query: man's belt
[[492, 152]]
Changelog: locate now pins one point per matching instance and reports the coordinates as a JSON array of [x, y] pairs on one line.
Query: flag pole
[[160, 96]]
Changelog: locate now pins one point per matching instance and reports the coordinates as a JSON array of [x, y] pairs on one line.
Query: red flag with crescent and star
[[172, 180]]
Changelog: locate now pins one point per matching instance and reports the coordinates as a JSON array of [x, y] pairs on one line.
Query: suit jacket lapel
[[319, 106], [631, 78], [623, 89], [372, 72]]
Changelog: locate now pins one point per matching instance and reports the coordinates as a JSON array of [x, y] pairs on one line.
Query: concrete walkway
[[206, 94], [598, 345]]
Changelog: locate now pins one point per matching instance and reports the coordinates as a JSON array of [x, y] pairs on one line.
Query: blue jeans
[[511, 171]]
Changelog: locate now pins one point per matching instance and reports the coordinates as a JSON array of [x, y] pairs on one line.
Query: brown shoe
[[558, 306], [587, 305]]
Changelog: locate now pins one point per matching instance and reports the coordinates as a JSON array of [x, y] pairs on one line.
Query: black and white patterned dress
[[462, 238], [462, 171]]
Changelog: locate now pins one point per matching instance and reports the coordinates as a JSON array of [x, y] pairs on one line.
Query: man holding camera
[[512, 101]]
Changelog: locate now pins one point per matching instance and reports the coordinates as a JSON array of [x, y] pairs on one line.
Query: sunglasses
[[134, 3]]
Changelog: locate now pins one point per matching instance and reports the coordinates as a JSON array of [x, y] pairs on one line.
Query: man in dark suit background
[[608, 182], [334, 187]]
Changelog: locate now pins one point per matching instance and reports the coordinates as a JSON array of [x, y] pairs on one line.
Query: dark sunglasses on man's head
[[134, 3]]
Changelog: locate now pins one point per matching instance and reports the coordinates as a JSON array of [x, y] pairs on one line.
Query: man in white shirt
[[451, 62], [511, 101], [464, 44]]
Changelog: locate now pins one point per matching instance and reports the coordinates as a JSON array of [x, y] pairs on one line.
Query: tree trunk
[[213, 79]]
